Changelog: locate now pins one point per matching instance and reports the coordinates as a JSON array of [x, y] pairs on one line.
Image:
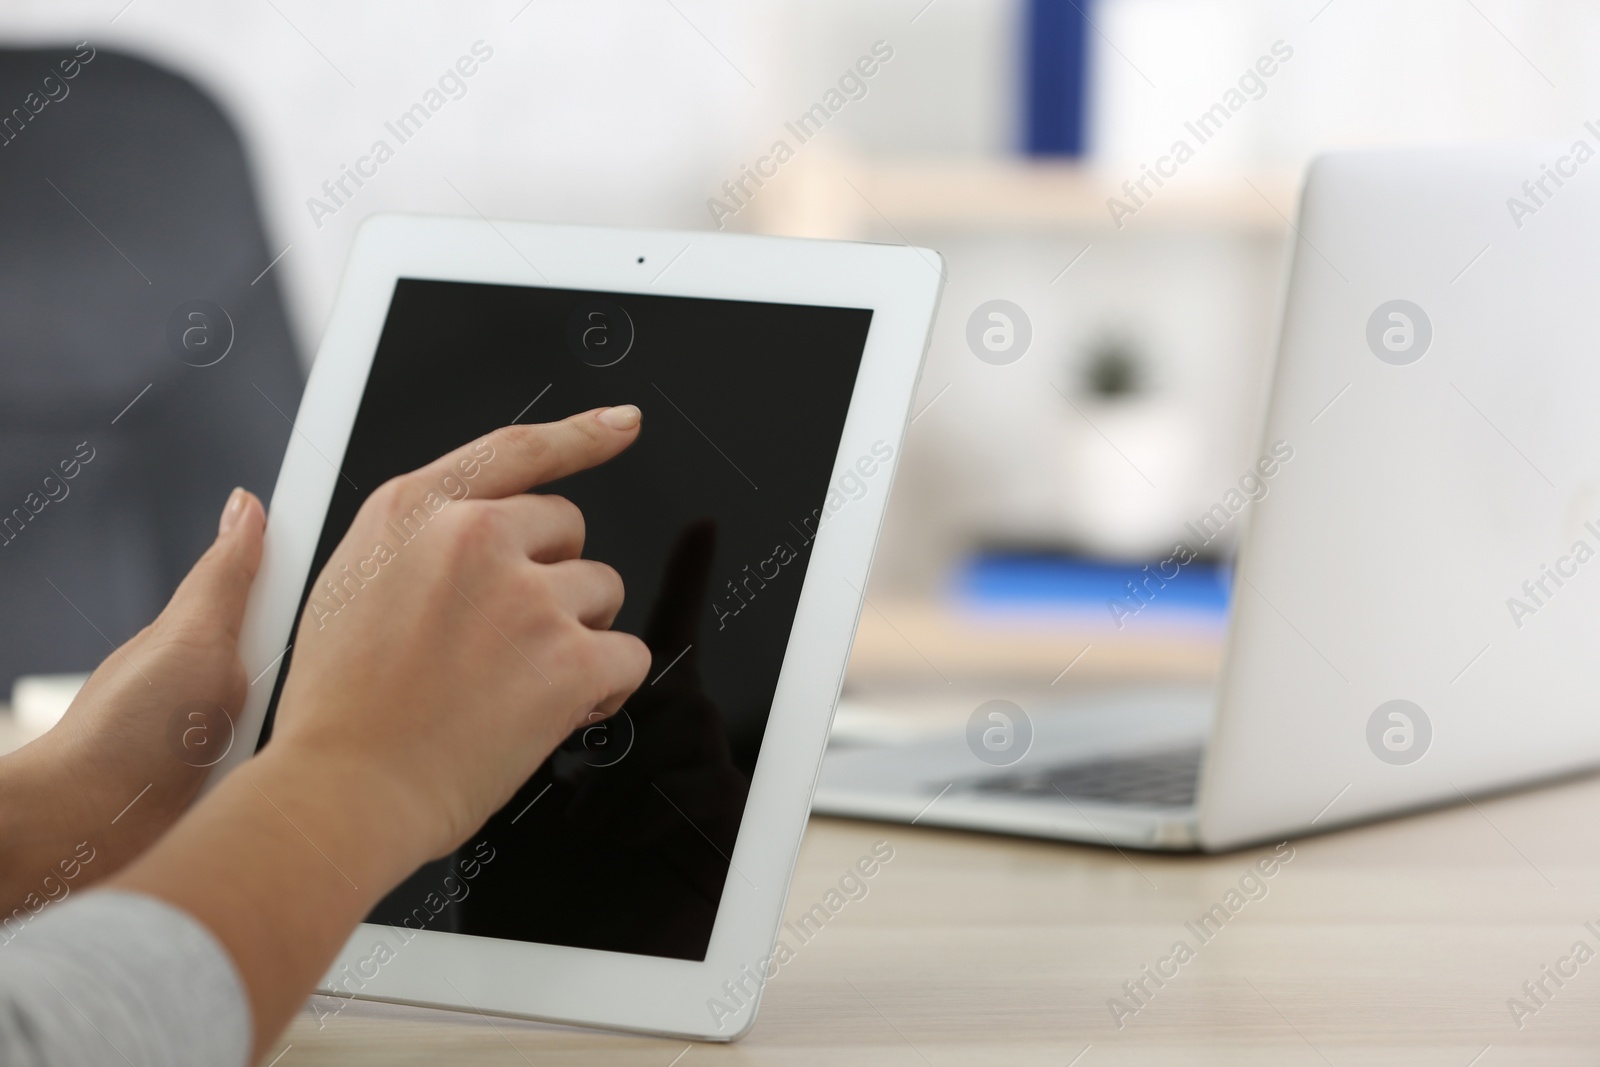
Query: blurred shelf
[[930, 643], [831, 195]]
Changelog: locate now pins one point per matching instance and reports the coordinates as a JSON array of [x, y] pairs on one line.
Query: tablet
[[638, 879]]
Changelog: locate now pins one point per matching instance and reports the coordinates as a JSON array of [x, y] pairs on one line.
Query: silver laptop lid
[[1417, 601]]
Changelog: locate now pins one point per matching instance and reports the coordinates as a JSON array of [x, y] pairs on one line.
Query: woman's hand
[[453, 663], [132, 750], [458, 656]]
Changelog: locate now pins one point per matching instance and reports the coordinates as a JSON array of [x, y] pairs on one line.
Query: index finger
[[514, 459]]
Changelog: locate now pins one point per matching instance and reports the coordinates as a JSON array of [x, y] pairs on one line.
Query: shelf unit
[[832, 194]]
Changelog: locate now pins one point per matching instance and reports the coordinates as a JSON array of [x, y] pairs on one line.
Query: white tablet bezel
[[901, 285]]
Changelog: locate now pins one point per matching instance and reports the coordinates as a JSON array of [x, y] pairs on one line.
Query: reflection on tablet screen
[[621, 841]]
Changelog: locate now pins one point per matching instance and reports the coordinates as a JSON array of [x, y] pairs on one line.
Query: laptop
[[1415, 610]]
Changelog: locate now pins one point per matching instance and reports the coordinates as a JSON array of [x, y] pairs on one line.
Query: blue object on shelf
[[1057, 66], [1070, 583]]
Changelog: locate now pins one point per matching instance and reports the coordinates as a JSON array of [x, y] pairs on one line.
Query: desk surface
[[1398, 943]]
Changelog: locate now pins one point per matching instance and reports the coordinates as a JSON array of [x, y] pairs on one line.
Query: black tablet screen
[[621, 840]]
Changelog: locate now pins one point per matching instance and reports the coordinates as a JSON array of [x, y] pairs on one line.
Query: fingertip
[[242, 526], [243, 506], [621, 417], [255, 512], [232, 511]]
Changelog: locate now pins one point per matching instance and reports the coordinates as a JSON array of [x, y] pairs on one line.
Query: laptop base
[[1118, 769]]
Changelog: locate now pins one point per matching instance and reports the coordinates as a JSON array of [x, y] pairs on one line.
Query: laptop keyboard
[[1165, 778]]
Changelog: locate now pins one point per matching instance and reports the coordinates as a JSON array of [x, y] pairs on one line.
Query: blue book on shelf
[[1077, 585], [1056, 72]]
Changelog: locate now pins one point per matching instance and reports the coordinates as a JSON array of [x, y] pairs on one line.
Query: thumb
[[212, 595]]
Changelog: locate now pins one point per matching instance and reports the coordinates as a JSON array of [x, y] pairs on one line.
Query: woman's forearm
[[46, 851], [280, 861]]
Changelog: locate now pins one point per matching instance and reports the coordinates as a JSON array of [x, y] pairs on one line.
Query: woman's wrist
[[58, 803], [345, 807], [55, 838], [34, 825]]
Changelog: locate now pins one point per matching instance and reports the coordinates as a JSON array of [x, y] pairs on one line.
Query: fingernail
[[622, 417], [231, 512]]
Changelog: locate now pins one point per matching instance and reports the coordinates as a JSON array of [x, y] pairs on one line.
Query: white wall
[[635, 111], [1364, 72], [617, 113]]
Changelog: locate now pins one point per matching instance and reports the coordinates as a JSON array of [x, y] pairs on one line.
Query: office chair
[[146, 365]]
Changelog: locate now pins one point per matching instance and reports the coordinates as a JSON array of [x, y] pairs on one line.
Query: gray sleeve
[[119, 978]]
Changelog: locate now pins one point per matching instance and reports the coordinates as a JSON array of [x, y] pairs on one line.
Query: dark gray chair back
[[131, 257]]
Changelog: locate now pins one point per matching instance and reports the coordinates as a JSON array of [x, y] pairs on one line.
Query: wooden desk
[[1398, 943]]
